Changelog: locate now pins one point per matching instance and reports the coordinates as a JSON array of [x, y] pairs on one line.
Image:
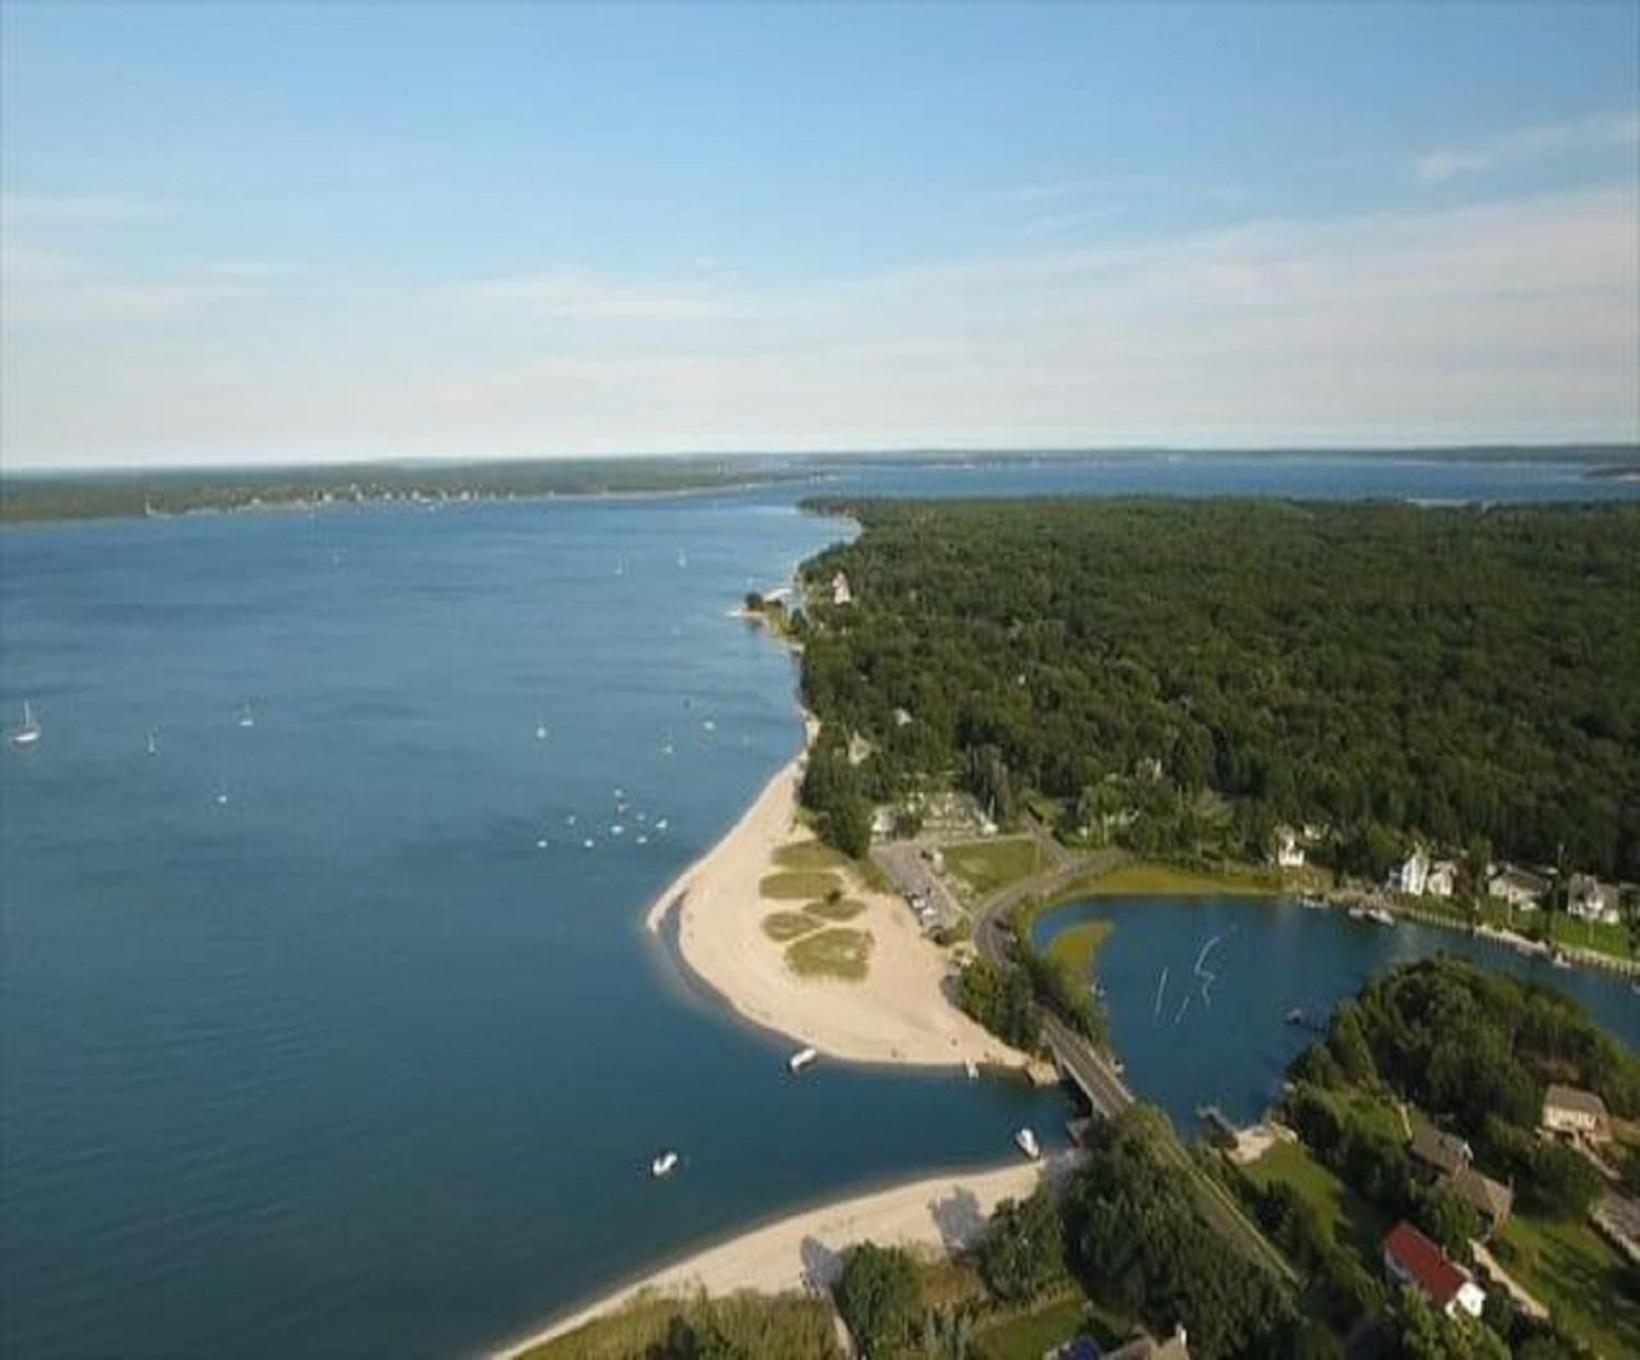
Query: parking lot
[[909, 869]]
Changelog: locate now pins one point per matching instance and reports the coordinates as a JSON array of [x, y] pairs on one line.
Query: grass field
[[1032, 1335], [1146, 878], [1570, 1268], [985, 866], [786, 1325], [784, 926], [1350, 1219], [798, 885], [1076, 946], [834, 952]]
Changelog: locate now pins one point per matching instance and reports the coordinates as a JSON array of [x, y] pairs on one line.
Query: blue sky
[[235, 233]]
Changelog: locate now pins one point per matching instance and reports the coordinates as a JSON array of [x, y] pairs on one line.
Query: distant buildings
[[840, 592], [1442, 1154], [1566, 1109], [1446, 1160], [1416, 1262], [1491, 1200], [1141, 1347], [1442, 878]]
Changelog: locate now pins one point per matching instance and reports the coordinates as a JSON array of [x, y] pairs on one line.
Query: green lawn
[[1571, 1269], [1146, 878], [1349, 1218], [799, 884], [986, 866], [1031, 1335], [1076, 946], [834, 952]]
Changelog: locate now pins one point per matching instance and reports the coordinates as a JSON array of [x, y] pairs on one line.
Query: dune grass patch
[[785, 926], [809, 855], [836, 908], [837, 952], [793, 1325], [797, 885]]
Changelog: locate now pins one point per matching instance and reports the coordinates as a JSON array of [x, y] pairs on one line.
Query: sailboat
[[153, 742], [29, 732], [246, 717]]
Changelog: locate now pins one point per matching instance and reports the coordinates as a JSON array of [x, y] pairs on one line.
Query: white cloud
[[1611, 130], [1513, 320]]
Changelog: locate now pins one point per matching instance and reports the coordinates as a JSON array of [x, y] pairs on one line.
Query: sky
[[236, 234]]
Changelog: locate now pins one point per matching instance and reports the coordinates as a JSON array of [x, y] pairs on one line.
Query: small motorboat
[[540, 731], [588, 843], [1295, 1016], [663, 1165], [971, 1068], [1382, 915], [246, 717], [661, 824], [153, 743], [803, 1058], [1026, 1141]]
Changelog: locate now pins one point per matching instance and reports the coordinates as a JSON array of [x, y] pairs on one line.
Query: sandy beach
[[804, 1250], [897, 1014]]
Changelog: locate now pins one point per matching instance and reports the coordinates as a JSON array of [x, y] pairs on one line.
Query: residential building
[[1145, 1347], [1416, 1262], [840, 592], [1289, 853], [1491, 1200], [1519, 889], [1566, 1109], [1591, 900], [1411, 876], [1442, 878], [1441, 1154]]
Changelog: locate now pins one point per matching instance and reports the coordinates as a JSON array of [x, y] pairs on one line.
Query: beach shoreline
[[899, 1013], [802, 1251]]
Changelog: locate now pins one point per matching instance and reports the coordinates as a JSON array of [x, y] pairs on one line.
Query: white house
[[1289, 853], [1519, 889], [1413, 1260], [840, 593], [1411, 877], [1566, 1109], [1442, 878], [1589, 899]]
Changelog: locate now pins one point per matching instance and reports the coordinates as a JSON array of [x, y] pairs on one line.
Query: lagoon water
[[308, 1045]]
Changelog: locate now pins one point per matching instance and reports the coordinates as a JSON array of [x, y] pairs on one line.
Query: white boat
[[661, 824], [222, 796], [617, 830], [588, 843], [541, 843], [663, 1165], [1313, 903], [709, 725], [804, 1057], [971, 1068], [246, 717], [642, 839], [1382, 915], [29, 732], [1027, 1143], [540, 731], [153, 742]]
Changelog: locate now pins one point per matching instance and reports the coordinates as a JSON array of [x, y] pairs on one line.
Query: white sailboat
[[153, 742], [246, 717], [663, 1165], [29, 732]]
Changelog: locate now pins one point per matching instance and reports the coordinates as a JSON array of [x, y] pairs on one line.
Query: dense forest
[[1185, 670]]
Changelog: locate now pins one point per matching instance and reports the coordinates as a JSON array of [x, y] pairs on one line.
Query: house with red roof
[[1418, 1263]]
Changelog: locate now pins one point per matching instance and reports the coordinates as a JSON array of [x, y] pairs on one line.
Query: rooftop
[[1424, 1263], [1574, 1100]]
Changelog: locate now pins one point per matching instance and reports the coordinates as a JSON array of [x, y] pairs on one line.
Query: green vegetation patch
[[1345, 1216], [1031, 1335], [984, 867], [1569, 1267], [809, 855], [836, 908], [1149, 879], [792, 1325], [835, 952], [783, 926], [1075, 946], [796, 885]]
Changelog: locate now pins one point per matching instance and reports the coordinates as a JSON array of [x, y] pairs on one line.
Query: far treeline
[[1184, 676]]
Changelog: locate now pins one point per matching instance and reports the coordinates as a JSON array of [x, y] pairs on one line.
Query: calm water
[[1220, 1035], [349, 1062]]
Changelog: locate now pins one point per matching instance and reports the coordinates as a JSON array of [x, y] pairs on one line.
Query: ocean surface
[[326, 1035]]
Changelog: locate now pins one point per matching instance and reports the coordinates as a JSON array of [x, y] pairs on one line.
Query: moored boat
[[1026, 1141], [663, 1165], [29, 732], [804, 1057]]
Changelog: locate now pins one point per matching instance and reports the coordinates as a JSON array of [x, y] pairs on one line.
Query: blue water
[[1189, 1040], [348, 1063]]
